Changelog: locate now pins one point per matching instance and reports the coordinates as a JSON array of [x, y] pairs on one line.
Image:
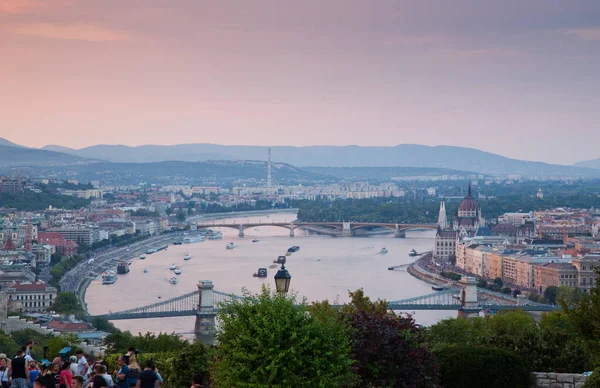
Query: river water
[[324, 268]]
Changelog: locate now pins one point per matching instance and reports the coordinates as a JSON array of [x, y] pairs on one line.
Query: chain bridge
[[341, 229], [204, 303]]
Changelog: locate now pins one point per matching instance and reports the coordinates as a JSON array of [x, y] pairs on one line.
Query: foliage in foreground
[[388, 349], [468, 366], [549, 346], [594, 380], [267, 340]]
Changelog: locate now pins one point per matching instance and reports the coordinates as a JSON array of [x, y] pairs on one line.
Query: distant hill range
[[442, 158], [594, 163], [404, 155], [21, 156]]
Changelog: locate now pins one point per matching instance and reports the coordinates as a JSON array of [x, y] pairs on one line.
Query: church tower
[[442, 220]]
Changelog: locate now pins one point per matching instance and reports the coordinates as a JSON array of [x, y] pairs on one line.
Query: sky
[[518, 78]]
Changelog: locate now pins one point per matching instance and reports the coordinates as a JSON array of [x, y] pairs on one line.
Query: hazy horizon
[[514, 78]]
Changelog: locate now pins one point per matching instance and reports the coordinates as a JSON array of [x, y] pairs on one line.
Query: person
[[27, 357], [29, 346], [19, 371], [101, 371], [99, 381], [66, 379], [121, 375], [44, 382], [82, 364], [4, 371], [34, 372], [77, 382], [73, 368], [53, 372], [148, 378], [134, 371]]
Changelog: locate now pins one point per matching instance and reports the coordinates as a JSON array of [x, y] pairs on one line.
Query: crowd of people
[[75, 371]]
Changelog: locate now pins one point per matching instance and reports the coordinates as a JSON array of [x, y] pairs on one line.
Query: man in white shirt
[[82, 365]]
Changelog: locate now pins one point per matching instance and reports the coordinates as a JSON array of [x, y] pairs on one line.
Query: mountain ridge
[[402, 155]]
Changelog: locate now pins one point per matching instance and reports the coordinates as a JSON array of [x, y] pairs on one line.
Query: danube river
[[324, 268]]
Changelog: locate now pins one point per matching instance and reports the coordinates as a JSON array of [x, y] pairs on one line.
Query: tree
[[181, 216], [452, 259], [267, 340], [569, 295], [66, 303], [583, 315], [169, 211], [550, 294], [55, 258], [388, 349], [498, 281]]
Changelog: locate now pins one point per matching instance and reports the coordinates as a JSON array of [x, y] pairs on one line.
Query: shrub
[[466, 366], [594, 380], [451, 275]]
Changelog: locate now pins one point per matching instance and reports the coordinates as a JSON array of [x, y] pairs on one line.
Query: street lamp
[[282, 280]]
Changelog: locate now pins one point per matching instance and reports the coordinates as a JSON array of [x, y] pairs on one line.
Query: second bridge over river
[[339, 229]]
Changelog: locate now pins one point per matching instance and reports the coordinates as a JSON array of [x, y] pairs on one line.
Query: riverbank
[[416, 270]]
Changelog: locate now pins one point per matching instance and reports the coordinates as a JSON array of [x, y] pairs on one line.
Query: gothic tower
[[442, 220]]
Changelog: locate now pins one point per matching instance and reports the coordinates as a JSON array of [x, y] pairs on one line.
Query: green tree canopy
[[66, 303], [267, 340]]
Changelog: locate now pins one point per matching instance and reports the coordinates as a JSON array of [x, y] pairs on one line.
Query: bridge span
[[340, 229], [205, 303]]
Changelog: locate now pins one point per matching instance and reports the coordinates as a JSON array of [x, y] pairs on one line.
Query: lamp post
[[282, 280]]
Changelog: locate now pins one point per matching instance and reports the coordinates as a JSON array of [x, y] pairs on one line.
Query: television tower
[[269, 170]]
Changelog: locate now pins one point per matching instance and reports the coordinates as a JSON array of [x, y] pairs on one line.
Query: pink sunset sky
[[514, 77]]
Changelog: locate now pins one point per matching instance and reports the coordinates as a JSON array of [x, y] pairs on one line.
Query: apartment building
[[30, 297]]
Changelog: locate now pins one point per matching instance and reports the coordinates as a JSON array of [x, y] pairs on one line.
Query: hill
[[9, 143], [386, 173], [21, 156], [594, 163], [404, 155]]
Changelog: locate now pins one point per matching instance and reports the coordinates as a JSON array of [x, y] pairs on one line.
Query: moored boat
[[280, 260], [145, 270], [109, 277], [383, 251], [173, 267], [293, 249], [174, 280], [255, 240], [230, 245], [412, 253], [187, 256], [177, 271], [142, 256], [122, 268]]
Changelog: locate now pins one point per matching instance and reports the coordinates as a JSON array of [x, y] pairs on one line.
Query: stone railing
[[557, 380]]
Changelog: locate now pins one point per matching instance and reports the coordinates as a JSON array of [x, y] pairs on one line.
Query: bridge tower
[[292, 229], [205, 316], [346, 229], [400, 233], [468, 298], [241, 233]]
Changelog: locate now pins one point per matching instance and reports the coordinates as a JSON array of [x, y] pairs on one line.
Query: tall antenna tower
[[269, 170]]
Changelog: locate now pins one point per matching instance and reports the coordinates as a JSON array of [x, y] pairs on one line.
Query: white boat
[[145, 270], [174, 280], [255, 240], [230, 245], [187, 256], [193, 239], [177, 271], [383, 251], [173, 267], [142, 256]]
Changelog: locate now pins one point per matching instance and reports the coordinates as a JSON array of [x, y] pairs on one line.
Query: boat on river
[[293, 249], [173, 267], [280, 260], [122, 268], [261, 273], [412, 253], [173, 280], [187, 256], [230, 245], [383, 251], [193, 239], [145, 270], [142, 256], [255, 240], [177, 271], [109, 277]]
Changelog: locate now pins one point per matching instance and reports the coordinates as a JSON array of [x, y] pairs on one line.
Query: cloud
[[77, 31], [18, 6], [585, 33]]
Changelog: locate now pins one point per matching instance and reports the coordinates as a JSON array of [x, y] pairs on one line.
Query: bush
[[451, 275], [594, 380], [466, 366]]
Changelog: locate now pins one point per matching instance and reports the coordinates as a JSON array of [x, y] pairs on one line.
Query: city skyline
[[500, 77]]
